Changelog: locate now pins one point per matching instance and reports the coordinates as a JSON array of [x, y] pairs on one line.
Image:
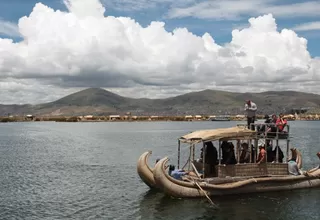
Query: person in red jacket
[[281, 122]]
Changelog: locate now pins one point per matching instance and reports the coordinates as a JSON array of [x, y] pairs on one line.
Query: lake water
[[88, 171]]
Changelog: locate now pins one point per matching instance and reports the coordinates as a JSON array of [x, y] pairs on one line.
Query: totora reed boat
[[236, 167]]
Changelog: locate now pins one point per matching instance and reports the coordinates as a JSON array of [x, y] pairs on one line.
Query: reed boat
[[197, 187], [220, 118], [145, 171], [205, 177]]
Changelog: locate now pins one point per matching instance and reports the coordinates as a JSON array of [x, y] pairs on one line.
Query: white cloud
[[138, 5], [82, 48], [237, 9], [308, 26], [9, 29], [22, 91]]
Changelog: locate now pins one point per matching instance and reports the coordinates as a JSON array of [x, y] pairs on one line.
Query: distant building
[[88, 117], [198, 117], [114, 117], [30, 117], [154, 117]]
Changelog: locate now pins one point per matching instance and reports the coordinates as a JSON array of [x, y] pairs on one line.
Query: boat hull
[[184, 189], [144, 171]]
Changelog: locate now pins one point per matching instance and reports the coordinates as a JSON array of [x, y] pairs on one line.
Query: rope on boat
[[188, 161], [185, 164]]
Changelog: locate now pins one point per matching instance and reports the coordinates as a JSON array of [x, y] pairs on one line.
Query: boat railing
[[277, 134]]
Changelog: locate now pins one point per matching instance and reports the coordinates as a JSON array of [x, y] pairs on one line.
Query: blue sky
[[145, 11]]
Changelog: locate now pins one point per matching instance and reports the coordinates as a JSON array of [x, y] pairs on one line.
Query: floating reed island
[[126, 118]]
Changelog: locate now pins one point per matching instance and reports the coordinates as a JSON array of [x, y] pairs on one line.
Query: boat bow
[[144, 171]]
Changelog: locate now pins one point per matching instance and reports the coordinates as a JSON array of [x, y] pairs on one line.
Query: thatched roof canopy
[[217, 134]]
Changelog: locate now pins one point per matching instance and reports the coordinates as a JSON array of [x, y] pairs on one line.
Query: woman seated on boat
[[245, 153], [293, 167], [309, 172], [272, 126], [265, 126], [228, 155]]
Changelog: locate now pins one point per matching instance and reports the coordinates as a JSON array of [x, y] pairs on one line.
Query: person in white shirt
[[251, 108]]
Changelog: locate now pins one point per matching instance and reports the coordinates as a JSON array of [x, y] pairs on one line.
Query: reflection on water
[[275, 205], [88, 171]]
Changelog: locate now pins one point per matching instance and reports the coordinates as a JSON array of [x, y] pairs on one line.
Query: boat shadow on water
[[156, 205], [263, 206]]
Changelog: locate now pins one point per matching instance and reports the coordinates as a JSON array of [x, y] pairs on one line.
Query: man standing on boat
[[251, 108]]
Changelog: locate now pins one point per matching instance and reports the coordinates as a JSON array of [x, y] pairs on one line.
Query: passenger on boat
[[211, 156], [245, 153], [263, 128], [307, 173], [211, 153], [251, 108], [270, 154], [273, 128], [178, 174], [280, 155], [253, 154], [281, 123], [293, 167], [262, 154], [228, 155]]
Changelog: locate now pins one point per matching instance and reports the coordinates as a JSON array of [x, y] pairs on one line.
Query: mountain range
[[97, 101]]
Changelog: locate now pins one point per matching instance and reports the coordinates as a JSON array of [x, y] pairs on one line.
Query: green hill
[[99, 102]]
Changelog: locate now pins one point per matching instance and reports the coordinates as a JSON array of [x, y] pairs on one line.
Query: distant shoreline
[[127, 118]]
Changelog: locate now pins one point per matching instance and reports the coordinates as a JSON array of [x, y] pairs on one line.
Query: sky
[[156, 48]]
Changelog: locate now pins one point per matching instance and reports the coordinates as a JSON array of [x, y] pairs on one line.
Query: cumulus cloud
[[83, 48]]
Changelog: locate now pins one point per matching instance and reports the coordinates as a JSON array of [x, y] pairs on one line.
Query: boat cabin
[[234, 152]]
